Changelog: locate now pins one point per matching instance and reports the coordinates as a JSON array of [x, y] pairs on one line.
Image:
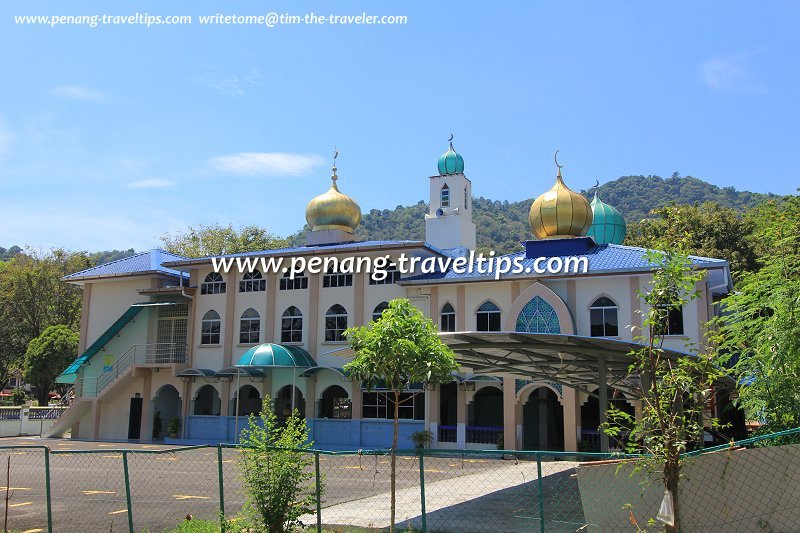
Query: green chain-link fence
[[106, 489]]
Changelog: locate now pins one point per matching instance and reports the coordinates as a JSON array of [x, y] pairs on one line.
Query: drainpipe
[[188, 386]]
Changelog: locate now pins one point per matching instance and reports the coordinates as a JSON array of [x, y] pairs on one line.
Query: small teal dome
[[608, 225], [451, 162]]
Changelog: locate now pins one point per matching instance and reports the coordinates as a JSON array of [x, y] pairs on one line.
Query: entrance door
[[135, 419]]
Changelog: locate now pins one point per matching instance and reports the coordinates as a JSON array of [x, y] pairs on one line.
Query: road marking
[[119, 512], [20, 504], [189, 497], [117, 456], [150, 446], [106, 445], [33, 531], [18, 453], [93, 492], [453, 464], [432, 470], [167, 458], [354, 467], [15, 488], [228, 461]]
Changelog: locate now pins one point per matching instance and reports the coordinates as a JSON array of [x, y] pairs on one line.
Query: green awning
[[314, 369], [276, 356]]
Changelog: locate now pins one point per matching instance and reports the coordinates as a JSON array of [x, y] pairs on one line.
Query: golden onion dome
[[560, 212], [333, 210]]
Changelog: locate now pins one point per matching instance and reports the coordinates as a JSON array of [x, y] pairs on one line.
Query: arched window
[[466, 199], [335, 323], [392, 276], [378, 311], [488, 316], [210, 328], [289, 283], [213, 284], [448, 318], [252, 282], [445, 196], [292, 325], [603, 318], [250, 327], [335, 403], [207, 401]]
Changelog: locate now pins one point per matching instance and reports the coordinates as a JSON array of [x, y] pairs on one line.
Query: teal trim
[[276, 355], [69, 375], [451, 162]]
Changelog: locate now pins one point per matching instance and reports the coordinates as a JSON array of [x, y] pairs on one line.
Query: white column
[[603, 397]]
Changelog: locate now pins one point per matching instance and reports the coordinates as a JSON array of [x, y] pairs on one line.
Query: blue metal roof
[[142, 263], [604, 258], [320, 248]]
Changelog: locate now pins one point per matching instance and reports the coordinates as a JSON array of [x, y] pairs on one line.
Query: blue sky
[[111, 136]]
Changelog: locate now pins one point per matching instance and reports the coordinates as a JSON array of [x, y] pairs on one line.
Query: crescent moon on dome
[[451, 138], [596, 184], [555, 157]]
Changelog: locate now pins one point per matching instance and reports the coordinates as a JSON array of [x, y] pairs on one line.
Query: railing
[[590, 441], [483, 435], [45, 413], [446, 434], [137, 354], [10, 413]]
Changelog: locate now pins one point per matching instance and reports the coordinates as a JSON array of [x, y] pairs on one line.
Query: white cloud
[[732, 73], [78, 92], [230, 85], [267, 163], [150, 183]]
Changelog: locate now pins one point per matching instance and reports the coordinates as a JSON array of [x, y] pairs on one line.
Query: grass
[[212, 526]]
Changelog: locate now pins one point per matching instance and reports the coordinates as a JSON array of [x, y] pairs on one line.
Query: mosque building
[[542, 355]]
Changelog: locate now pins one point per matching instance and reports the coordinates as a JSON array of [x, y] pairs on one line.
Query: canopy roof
[[571, 360], [276, 355], [241, 371], [197, 372], [314, 369]]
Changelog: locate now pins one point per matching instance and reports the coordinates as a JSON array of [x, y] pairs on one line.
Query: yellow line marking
[[106, 445], [18, 453], [453, 465], [432, 470], [117, 456], [33, 531], [20, 504], [93, 492], [354, 467], [167, 458], [15, 488], [228, 461], [119, 512], [150, 446], [189, 497]]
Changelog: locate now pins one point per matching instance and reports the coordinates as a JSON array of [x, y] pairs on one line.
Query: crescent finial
[[596, 187], [555, 157], [450, 139]]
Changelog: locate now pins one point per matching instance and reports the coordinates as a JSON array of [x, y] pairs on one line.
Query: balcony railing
[[446, 434], [138, 354], [483, 435]]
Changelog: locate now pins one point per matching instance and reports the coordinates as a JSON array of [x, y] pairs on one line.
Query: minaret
[[448, 223]]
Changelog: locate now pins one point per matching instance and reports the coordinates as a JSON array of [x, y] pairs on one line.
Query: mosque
[[171, 349]]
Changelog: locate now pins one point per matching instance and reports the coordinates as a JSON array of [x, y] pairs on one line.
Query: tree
[[275, 470], [33, 297], [708, 229], [47, 356], [204, 241], [674, 391], [400, 348], [759, 332]]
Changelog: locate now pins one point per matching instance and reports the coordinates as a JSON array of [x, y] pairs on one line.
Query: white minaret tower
[[448, 224]]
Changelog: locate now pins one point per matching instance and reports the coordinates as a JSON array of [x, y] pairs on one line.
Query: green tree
[[759, 332], [275, 470], [674, 390], [400, 348], [47, 356], [203, 241], [708, 229]]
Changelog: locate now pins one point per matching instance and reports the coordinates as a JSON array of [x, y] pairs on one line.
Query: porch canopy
[[583, 363]]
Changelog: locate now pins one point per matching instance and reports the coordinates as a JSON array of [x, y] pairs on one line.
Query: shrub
[[277, 472]]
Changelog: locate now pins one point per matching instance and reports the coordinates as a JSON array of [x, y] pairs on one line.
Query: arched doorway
[[590, 420], [283, 403], [485, 416], [249, 401], [448, 412], [166, 405], [543, 421], [207, 401], [335, 403]]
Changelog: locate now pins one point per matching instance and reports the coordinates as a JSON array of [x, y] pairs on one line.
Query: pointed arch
[[565, 321], [444, 196]]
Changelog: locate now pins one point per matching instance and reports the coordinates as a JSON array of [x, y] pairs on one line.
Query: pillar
[[146, 431], [509, 413], [96, 419], [569, 402], [461, 417], [603, 400], [432, 405], [311, 397]]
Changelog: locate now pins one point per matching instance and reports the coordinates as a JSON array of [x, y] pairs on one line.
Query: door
[[171, 334], [135, 419]]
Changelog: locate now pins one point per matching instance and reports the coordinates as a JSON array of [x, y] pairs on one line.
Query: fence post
[[319, 492], [47, 490], [127, 490], [541, 491], [422, 489], [221, 489]]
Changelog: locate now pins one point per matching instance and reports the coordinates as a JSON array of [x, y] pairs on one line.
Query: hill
[[501, 225]]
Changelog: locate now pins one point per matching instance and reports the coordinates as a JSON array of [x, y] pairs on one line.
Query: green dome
[[451, 162], [608, 226], [276, 355]]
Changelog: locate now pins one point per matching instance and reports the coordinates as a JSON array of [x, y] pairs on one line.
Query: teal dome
[[451, 162], [608, 226], [276, 355]]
